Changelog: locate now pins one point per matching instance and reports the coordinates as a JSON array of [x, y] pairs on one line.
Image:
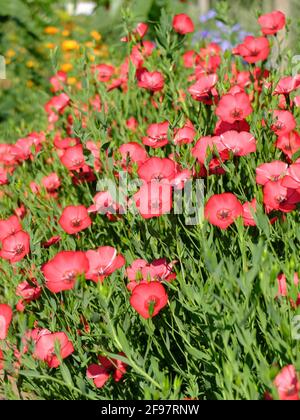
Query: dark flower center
[[76, 222], [19, 249], [69, 276], [237, 113], [223, 214]]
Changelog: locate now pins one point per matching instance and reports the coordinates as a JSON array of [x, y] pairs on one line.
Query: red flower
[[271, 23], [148, 299], [46, 345], [105, 204], [15, 247], [208, 145], [153, 81], [29, 290], [62, 271], [52, 241], [58, 80], [234, 107], [133, 152], [75, 219], [254, 49], [278, 197], [157, 169], [286, 85], [101, 373], [223, 209], [103, 72], [241, 144], [184, 135], [223, 126], [9, 227], [249, 209], [5, 320], [51, 182], [73, 158], [157, 135], [103, 263], [154, 199], [203, 90], [284, 123], [289, 143], [183, 24], [272, 171], [141, 272], [287, 384], [292, 178]]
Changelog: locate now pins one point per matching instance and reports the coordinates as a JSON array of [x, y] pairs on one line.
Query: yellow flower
[[66, 67], [30, 83], [96, 35], [51, 30], [10, 53], [65, 33], [71, 80], [69, 45], [92, 58], [30, 64]]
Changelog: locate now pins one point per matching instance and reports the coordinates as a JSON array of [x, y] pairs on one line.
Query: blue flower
[[211, 14]]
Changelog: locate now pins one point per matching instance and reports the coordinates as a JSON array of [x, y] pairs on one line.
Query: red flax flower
[[51, 182], [103, 263], [153, 81], [101, 373], [223, 209], [29, 290], [9, 227], [289, 143], [183, 24], [15, 247], [62, 271], [292, 178], [204, 89], [132, 152], [287, 384], [157, 169], [45, 348], [286, 85], [272, 22], [284, 122], [5, 320], [278, 197], [272, 171], [234, 107], [184, 135], [148, 299], [253, 49], [157, 135], [154, 199], [73, 158], [74, 219], [141, 271], [213, 146], [240, 144]]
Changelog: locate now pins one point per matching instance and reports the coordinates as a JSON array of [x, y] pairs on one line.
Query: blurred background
[[35, 34]]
